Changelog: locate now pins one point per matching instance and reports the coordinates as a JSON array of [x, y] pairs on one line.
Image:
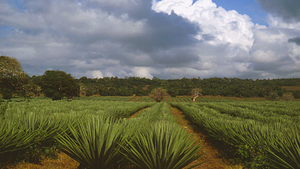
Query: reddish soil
[[62, 162], [133, 99], [212, 157]]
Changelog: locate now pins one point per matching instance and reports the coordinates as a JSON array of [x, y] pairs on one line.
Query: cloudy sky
[[167, 39]]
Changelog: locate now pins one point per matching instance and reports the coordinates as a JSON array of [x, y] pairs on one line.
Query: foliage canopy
[[12, 76], [56, 84], [158, 94]]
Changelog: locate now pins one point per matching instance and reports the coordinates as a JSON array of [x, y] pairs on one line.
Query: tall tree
[[56, 84], [12, 76]]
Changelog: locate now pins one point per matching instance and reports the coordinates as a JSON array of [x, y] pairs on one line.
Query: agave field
[[98, 133], [173, 99], [261, 134]]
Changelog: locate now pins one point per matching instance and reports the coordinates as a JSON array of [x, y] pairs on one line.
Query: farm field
[[256, 134], [200, 99]]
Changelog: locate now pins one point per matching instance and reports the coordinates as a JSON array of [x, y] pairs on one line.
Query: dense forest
[[128, 86]]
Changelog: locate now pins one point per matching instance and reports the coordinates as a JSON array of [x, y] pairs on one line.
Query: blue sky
[[145, 38], [248, 7]]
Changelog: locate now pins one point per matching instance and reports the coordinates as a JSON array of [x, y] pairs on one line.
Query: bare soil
[[62, 162], [134, 99], [213, 158]]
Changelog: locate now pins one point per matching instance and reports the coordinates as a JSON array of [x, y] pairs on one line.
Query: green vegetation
[[170, 147], [97, 134], [158, 94], [57, 84], [256, 134], [95, 142], [12, 77], [235, 87]]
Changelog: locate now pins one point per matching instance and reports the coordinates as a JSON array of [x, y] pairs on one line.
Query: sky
[[168, 39]]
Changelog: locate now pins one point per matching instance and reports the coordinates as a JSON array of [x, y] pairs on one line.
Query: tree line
[[128, 86], [53, 83], [57, 84]]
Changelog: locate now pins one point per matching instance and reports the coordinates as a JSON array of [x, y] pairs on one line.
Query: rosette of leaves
[[163, 146], [285, 151], [13, 139], [95, 143]]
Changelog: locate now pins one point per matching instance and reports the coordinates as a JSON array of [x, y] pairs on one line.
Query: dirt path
[[134, 99], [213, 157]]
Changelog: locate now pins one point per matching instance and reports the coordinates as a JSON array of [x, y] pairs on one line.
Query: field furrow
[[213, 158]]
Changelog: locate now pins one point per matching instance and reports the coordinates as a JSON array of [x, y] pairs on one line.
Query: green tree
[[296, 94], [30, 89], [158, 94], [273, 96], [56, 84], [12, 76]]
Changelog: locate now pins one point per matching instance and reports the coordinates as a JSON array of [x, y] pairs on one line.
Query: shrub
[[89, 93], [261, 94], [296, 94], [7, 94], [158, 94], [56, 96], [273, 96], [288, 96]]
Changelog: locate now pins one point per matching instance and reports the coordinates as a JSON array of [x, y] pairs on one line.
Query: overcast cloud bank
[[167, 39]]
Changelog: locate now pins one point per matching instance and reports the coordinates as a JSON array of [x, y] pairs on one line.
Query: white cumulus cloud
[[218, 26], [95, 74], [142, 72]]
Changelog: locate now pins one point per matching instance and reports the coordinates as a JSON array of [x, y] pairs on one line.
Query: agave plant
[[285, 153], [14, 137], [162, 146], [95, 143]]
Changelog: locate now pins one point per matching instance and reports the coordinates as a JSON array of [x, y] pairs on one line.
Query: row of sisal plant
[[290, 108], [48, 106], [151, 140], [29, 132], [258, 144], [257, 115], [29, 137], [94, 139], [106, 98], [107, 109]]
